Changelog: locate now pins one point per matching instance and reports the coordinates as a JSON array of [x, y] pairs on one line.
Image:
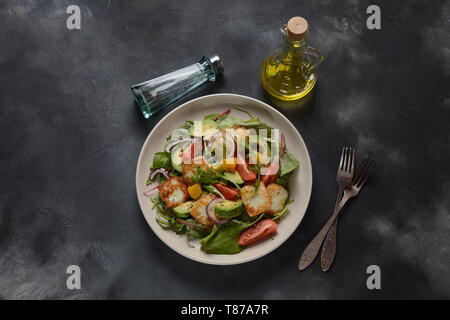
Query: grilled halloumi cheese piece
[[278, 197], [255, 203], [189, 170], [173, 192], [199, 209]]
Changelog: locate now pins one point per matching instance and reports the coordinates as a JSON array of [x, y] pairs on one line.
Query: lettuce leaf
[[254, 123], [161, 160], [227, 121]]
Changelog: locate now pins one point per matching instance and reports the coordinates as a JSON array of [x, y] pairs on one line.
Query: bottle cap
[[217, 63], [297, 28]]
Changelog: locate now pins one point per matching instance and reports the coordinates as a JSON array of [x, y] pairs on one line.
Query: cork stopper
[[297, 28]]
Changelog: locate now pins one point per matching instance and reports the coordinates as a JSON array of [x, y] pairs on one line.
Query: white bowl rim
[[263, 253]]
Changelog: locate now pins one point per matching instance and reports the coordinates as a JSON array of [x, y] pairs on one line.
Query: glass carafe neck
[[296, 46]]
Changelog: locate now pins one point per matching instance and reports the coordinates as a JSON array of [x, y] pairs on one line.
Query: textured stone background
[[70, 136]]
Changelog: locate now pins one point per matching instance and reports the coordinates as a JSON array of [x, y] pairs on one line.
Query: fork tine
[[352, 162], [341, 163], [364, 174], [361, 169], [367, 173], [360, 185], [347, 159]]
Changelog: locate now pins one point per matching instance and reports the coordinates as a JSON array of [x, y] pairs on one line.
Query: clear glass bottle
[[290, 72], [156, 94]]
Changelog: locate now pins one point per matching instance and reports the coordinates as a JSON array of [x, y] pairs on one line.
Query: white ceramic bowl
[[300, 183]]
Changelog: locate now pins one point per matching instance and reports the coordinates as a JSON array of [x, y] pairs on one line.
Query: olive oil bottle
[[289, 73]]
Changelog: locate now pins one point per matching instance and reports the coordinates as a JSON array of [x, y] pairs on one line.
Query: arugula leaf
[[168, 221], [159, 205], [206, 176], [288, 164], [165, 218], [257, 169]]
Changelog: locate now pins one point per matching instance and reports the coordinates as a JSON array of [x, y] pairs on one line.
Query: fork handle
[[312, 249], [329, 247]]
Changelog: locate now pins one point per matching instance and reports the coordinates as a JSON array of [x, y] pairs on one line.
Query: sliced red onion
[[213, 137], [212, 215], [197, 143], [189, 224], [160, 170], [174, 143], [146, 193]]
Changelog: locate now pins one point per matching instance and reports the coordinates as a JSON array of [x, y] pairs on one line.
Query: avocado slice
[[229, 209], [233, 177], [183, 210], [177, 161]]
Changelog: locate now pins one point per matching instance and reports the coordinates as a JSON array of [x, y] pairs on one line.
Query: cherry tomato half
[[269, 179], [228, 192], [243, 170], [272, 171], [258, 231]]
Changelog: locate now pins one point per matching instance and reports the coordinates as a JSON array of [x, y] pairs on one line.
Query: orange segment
[[195, 191], [228, 165]]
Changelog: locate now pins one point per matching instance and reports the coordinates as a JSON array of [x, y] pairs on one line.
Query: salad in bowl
[[223, 181]]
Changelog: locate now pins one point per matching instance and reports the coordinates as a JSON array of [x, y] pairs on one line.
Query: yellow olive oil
[[287, 78], [289, 74]]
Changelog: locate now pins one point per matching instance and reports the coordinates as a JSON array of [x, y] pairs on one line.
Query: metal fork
[[360, 178], [344, 179]]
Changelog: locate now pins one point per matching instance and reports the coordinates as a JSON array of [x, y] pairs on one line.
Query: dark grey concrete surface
[[70, 136]]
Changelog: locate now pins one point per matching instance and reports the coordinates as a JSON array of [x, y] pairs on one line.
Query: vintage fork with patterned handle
[[343, 178], [329, 245]]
